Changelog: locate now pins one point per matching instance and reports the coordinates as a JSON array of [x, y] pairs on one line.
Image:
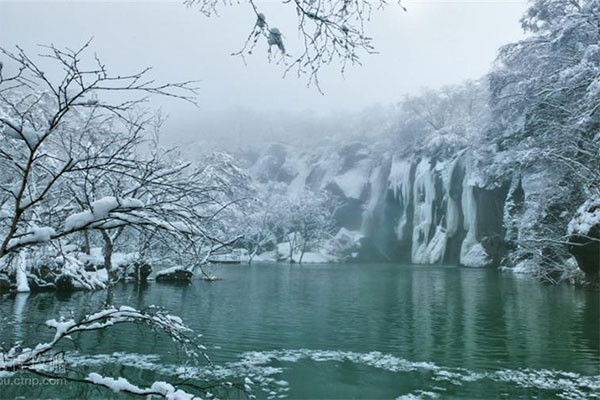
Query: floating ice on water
[[255, 364]]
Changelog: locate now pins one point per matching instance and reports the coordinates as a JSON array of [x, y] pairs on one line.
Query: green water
[[343, 331]]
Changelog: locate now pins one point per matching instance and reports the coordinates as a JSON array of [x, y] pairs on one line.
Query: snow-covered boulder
[[174, 274], [347, 243]]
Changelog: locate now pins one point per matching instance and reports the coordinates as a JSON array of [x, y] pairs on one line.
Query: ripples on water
[[341, 331]]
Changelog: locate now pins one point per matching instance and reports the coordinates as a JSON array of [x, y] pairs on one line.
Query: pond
[[341, 331]]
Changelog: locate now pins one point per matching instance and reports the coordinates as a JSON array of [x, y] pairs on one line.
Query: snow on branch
[[330, 31], [36, 360], [59, 134], [100, 210], [162, 389]]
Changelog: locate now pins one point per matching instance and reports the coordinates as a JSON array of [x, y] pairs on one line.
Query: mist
[[300, 199], [432, 44]]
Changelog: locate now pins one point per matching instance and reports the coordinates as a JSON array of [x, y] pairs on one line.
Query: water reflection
[[476, 319], [19, 306]]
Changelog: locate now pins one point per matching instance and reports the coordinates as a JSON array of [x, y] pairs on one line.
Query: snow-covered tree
[[81, 169], [256, 227], [439, 123], [545, 100], [302, 221], [46, 126], [311, 221]]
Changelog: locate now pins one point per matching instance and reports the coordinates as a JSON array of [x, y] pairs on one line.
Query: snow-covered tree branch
[[41, 359], [329, 31], [84, 169]]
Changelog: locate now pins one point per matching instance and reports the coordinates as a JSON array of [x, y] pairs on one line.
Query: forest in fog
[[499, 172]]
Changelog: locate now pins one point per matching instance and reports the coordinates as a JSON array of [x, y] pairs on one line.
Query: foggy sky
[[432, 44]]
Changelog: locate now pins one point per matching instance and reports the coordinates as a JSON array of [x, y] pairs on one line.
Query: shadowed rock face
[[586, 251], [455, 190], [490, 227], [272, 165]]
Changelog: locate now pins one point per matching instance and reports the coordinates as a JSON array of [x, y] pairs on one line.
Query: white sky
[[433, 44]]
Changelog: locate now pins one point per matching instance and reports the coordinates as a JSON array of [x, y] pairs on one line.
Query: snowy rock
[[174, 274], [315, 258], [354, 182], [348, 243], [74, 276], [473, 254]]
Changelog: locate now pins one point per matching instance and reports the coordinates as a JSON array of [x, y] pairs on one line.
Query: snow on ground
[[310, 257], [236, 255], [315, 258], [267, 256]]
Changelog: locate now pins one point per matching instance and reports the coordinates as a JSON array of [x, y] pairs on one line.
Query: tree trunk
[[86, 242], [292, 244], [251, 255], [108, 250]]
